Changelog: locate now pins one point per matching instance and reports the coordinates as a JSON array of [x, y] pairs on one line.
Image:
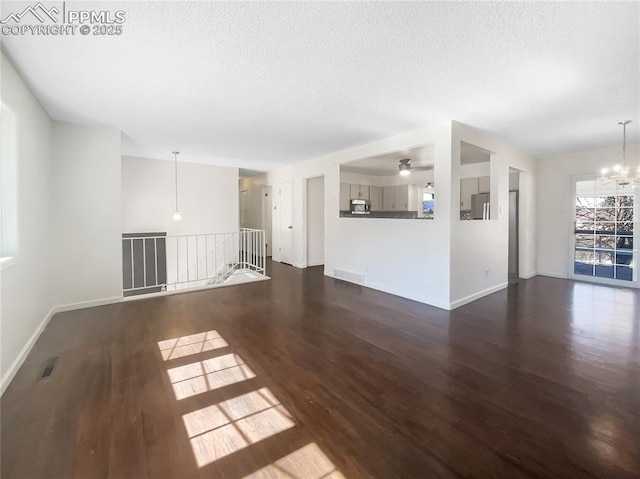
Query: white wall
[[25, 298], [555, 211], [407, 258], [207, 197], [479, 251], [315, 221], [85, 218]]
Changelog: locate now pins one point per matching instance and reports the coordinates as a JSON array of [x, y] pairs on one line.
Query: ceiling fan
[[405, 168]]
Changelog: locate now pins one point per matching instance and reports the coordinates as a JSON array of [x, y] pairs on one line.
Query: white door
[[267, 216], [286, 222], [604, 239]]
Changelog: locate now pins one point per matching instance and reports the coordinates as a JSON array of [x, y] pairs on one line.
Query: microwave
[[360, 207]]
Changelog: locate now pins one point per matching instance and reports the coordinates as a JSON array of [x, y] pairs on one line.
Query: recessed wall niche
[[475, 182], [396, 185]]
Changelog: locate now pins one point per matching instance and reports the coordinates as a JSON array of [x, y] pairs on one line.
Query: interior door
[[604, 236], [286, 222]]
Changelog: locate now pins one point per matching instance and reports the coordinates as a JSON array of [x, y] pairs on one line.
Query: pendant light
[[621, 173], [176, 214]]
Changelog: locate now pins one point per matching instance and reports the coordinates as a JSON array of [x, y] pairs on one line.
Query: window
[[8, 185], [604, 231]]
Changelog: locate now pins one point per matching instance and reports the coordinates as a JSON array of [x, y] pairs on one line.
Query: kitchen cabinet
[[345, 196], [375, 195], [484, 184], [468, 188], [388, 198], [397, 198], [359, 192], [402, 198]]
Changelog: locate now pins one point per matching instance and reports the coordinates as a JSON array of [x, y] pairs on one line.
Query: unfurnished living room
[[319, 240]]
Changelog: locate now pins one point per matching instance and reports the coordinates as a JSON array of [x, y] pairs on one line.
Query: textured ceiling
[[260, 84]]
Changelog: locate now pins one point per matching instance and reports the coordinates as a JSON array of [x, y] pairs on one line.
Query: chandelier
[[622, 174]]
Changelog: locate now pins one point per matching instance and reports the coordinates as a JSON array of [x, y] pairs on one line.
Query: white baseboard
[[315, 263], [26, 349], [395, 292], [299, 265], [528, 275], [552, 275], [86, 304], [478, 295], [24, 352]]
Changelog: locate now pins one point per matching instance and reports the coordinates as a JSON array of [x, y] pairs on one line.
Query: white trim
[[86, 304], [24, 352], [552, 275], [414, 297], [478, 295], [528, 275], [300, 265], [616, 283], [315, 263]]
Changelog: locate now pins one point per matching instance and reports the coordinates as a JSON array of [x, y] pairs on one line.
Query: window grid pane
[[608, 253]]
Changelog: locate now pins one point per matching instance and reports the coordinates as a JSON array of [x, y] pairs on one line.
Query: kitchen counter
[[406, 215]]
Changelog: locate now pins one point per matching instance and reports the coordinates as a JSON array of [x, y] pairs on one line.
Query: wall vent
[[350, 276]]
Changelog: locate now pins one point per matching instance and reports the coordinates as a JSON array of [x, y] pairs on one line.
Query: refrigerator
[[480, 206]]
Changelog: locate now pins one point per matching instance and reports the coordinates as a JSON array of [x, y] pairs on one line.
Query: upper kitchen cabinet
[[399, 198], [375, 195], [359, 192], [475, 182], [389, 185]]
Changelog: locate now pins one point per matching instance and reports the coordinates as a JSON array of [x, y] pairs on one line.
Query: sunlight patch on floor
[[207, 375], [308, 462], [192, 344], [229, 426]]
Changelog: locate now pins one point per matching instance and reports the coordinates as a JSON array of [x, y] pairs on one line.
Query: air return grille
[[48, 368]]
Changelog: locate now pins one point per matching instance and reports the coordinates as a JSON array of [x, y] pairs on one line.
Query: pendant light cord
[[175, 157], [624, 140]]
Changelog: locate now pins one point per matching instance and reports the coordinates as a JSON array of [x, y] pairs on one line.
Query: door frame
[[266, 225]]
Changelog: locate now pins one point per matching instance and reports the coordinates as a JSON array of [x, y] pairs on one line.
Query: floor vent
[[350, 276], [48, 368]]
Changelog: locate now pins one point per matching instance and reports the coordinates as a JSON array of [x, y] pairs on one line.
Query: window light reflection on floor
[[308, 462], [192, 344], [201, 376], [229, 426]]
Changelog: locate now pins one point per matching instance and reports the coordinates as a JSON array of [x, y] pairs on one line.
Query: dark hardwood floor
[[308, 377]]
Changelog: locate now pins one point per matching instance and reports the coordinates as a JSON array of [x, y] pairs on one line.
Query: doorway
[[514, 226], [244, 208], [285, 192], [267, 216], [315, 221]]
